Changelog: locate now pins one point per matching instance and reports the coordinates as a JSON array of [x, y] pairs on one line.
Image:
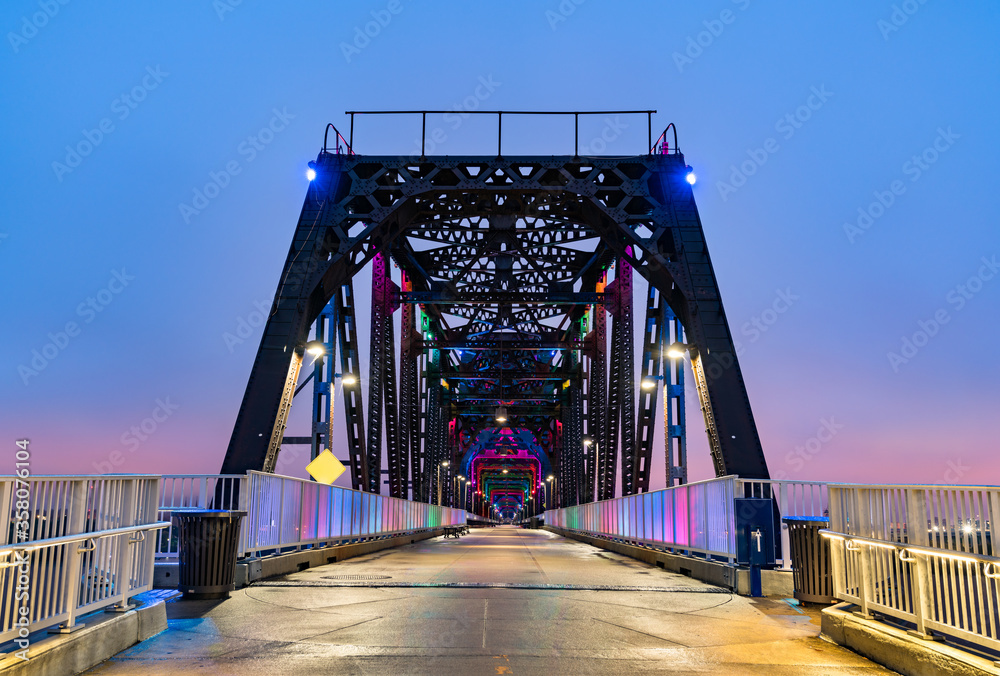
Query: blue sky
[[887, 100]]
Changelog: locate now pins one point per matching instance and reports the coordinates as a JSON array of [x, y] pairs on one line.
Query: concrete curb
[[776, 583], [103, 636], [249, 570], [894, 648]]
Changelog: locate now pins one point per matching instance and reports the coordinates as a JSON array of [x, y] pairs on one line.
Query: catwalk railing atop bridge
[[289, 513]]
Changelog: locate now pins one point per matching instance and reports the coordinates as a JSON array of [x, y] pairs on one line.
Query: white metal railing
[[285, 512], [921, 554], [85, 544], [697, 517], [195, 491]]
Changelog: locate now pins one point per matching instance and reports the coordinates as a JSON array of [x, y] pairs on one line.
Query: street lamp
[[552, 480], [349, 380], [677, 350], [649, 382], [456, 484], [444, 463], [316, 348]]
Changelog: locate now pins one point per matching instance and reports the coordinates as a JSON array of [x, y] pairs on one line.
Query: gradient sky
[[890, 85]]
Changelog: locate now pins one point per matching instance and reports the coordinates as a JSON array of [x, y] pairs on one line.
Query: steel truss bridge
[[511, 386]]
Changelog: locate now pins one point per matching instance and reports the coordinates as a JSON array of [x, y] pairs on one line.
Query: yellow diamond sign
[[325, 468]]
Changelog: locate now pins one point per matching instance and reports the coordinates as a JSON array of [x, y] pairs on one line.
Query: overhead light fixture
[[501, 416], [505, 471], [349, 380], [676, 350], [311, 174], [588, 441], [316, 348], [648, 383], [690, 176]]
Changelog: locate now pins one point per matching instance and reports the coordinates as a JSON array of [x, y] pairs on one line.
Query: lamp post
[[457, 484], [444, 463], [552, 480]]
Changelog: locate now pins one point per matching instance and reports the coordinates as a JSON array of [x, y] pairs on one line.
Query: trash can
[[208, 541], [811, 570]]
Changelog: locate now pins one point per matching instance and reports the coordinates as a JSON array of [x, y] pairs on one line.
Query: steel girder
[[653, 345], [597, 390], [409, 393], [350, 367], [382, 401], [621, 388], [360, 205]]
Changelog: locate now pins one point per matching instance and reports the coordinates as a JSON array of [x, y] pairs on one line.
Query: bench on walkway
[[456, 531]]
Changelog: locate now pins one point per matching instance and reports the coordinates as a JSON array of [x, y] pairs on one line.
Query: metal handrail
[[500, 113], [340, 137], [670, 126], [67, 539]]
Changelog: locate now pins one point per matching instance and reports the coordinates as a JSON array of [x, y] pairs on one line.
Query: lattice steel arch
[[640, 207]]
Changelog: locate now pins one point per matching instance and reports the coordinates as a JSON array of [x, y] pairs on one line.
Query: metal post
[[351, 142], [499, 134], [576, 134]]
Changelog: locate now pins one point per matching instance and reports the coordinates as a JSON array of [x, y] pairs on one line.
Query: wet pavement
[[497, 601]]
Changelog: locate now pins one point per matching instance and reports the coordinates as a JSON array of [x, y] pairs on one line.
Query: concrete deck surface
[[531, 602]]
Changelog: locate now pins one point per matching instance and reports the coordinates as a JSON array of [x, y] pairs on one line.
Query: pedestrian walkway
[[497, 601]]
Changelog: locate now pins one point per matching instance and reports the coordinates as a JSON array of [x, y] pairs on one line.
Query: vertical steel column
[[626, 376], [635, 468], [598, 390], [572, 457], [433, 453], [324, 384], [376, 373], [409, 403], [395, 449], [674, 425], [621, 391], [350, 366]]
